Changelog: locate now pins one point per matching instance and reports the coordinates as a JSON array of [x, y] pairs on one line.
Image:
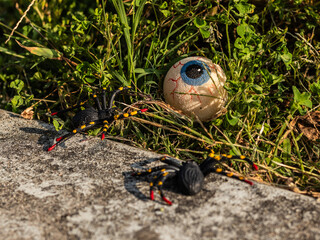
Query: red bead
[[166, 200], [52, 147], [151, 195]]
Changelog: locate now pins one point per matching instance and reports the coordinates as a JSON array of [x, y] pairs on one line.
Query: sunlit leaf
[[17, 84], [42, 52]]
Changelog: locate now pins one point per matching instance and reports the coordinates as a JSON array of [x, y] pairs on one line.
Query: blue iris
[[195, 73]]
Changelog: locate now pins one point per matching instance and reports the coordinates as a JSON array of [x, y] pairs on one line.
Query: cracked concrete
[[84, 190]]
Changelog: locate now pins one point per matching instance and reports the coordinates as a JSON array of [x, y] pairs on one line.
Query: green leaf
[[265, 127], [42, 52], [122, 79], [275, 159], [315, 88], [57, 125], [137, 3], [94, 132], [16, 101], [90, 80], [244, 8], [244, 29], [143, 72], [165, 13], [271, 78], [239, 43], [205, 32], [17, 84], [286, 58], [286, 145], [232, 120], [302, 98], [164, 5], [199, 23], [257, 88]]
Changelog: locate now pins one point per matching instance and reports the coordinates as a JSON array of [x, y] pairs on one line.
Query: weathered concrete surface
[[83, 190]]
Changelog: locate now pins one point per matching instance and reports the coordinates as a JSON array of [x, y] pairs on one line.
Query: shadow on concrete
[[47, 137], [14, 115], [130, 182]]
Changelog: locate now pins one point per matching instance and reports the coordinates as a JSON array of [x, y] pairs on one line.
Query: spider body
[[189, 175], [89, 114], [190, 178], [90, 117]]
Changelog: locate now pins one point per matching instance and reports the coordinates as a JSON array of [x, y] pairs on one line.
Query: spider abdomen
[[85, 116], [190, 178]]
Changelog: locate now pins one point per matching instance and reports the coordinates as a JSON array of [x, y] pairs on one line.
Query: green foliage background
[[269, 50]]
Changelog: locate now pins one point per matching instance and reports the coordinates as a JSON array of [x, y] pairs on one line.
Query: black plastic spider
[[90, 117], [189, 175]]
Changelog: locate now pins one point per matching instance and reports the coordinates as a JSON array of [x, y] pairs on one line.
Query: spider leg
[[209, 165], [80, 129], [158, 181], [155, 169], [131, 114], [242, 157], [68, 109], [171, 161], [97, 102], [120, 89], [229, 174], [212, 158], [119, 117], [173, 164], [164, 172], [105, 128], [103, 97]]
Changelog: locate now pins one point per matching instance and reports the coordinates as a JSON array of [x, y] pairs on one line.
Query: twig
[[18, 23]]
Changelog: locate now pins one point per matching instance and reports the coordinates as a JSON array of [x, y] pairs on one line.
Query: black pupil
[[194, 71]]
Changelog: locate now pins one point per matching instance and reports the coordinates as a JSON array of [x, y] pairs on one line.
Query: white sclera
[[204, 100]]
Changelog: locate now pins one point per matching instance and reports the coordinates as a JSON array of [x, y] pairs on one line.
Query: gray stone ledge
[[84, 190]]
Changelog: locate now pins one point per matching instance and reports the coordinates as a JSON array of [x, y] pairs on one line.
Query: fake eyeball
[[194, 85]]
